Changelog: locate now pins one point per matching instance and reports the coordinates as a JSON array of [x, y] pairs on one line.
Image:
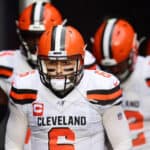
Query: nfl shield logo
[[119, 115]]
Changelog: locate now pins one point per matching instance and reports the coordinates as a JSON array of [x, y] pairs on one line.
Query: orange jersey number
[[54, 135], [104, 74], [136, 125]]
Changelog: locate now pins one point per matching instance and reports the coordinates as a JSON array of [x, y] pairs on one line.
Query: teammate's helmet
[[115, 47], [61, 59], [33, 21]]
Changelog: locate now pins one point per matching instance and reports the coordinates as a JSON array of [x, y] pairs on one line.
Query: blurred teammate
[[65, 106], [115, 48], [33, 21]]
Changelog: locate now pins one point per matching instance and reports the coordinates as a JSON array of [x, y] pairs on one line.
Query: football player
[[33, 21], [65, 106], [115, 48]]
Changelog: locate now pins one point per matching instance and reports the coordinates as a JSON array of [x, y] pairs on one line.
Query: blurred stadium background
[[85, 15]]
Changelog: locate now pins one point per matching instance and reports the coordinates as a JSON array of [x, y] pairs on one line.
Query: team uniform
[[73, 122], [12, 62], [32, 22], [136, 103]]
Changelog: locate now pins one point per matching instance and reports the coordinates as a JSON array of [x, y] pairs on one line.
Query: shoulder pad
[[6, 65], [104, 89], [24, 88]]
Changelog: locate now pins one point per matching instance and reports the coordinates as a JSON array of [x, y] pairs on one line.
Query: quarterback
[[66, 107]]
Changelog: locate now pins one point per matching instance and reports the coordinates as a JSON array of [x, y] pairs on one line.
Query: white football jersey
[[73, 122], [136, 91], [12, 62]]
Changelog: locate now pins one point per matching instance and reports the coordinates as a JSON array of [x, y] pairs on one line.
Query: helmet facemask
[[29, 41], [60, 74]]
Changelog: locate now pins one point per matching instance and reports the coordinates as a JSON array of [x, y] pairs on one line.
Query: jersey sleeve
[[6, 69], [106, 90], [6, 63], [22, 91], [117, 129]]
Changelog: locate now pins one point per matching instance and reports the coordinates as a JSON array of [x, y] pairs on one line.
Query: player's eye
[[66, 62], [68, 69], [52, 62], [51, 69]]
